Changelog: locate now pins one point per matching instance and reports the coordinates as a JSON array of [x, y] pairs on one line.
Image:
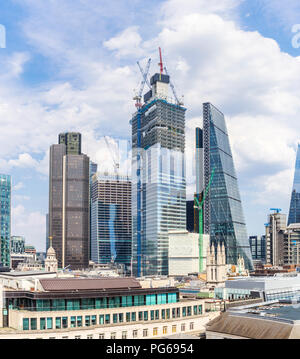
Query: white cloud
[[126, 43], [32, 225], [208, 55], [18, 186]]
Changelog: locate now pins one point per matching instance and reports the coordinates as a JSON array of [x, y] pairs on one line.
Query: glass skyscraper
[[294, 215], [111, 220], [223, 213], [159, 185], [5, 219]]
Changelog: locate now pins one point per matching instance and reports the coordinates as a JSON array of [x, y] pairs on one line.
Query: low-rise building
[[46, 306], [184, 253], [283, 286], [276, 320]]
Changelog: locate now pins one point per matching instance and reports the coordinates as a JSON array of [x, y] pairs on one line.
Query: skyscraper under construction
[[158, 168]]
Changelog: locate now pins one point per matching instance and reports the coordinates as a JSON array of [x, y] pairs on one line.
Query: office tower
[[294, 215], [190, 217], [93, 171], [111, 220], [5, 219], [275, 229], [69, 202], [159, 185], [223, 212], [258, 248], [72, 141], [17, 245]]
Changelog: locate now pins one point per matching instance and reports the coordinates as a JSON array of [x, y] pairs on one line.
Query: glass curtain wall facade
[[158, 169], [258, 247], [294, 214], [5, 219], [17, 245], [223, 213], [111, 220]]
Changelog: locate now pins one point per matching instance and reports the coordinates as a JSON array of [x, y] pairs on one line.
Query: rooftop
[[78, 284]]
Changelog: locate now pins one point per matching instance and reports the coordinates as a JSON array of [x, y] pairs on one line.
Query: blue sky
[[71, 65]]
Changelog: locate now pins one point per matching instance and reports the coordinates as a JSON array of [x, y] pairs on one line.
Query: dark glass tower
[[69, 206], [223, 212], [294, 215], [72, 140]]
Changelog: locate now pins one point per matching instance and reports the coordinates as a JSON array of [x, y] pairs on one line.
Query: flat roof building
[[43, 306]]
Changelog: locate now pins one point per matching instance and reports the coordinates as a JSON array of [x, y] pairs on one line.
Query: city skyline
[[58, 78]]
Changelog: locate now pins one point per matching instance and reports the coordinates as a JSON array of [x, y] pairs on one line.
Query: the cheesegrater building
[[223, 213], [159, 185]]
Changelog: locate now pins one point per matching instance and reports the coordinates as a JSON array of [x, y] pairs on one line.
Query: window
[[121, 318], [165, 330], [90, 336], [168, 313], [183, 327], [152, 314], [195, 310], [184, 311], [189, 311], [135, 334], [101, 336], [178, 312], [65, 337], [49, 323], [101, 319], [78, 337], [79, 322], [173, 313], [94, 320], [163, 314], [107, 319], [115, 318], [42, 323], [145, 333], [133, 317], [113, 336], [155, 331], [65, 322], [191, 326], [33, 324], [87, 320], [25, 324], [145, 316], [200, 309], [58, 323], [73, 322], [140, 316], [127, 317], [174, 328], [124, 335]]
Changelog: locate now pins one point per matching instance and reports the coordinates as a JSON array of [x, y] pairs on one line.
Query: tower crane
[[179, 103], [115, 161], [138, 97]]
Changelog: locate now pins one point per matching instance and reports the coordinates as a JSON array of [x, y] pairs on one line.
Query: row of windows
[[93, 303], [124, 334], [105, 319]]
